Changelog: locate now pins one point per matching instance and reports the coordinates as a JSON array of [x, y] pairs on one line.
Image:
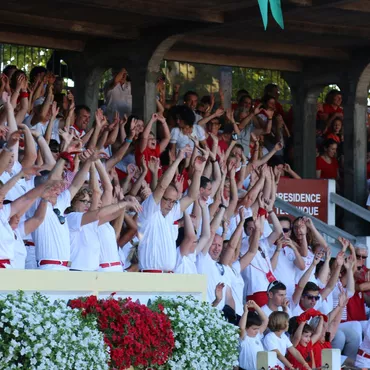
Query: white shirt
[[267, 310], [108, 244], [365, 346], [237, 285], [7, 235], [85, 245], [181, 140], [215, 274], [308, 262], [118, 99], [157, 247], [248, 348], [272, 342], [285, 268], [124, 253], [254, 274], [189, 211], [20, 251], [186, 264], [51, 237]]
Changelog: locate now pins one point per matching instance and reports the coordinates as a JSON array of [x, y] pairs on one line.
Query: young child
[[278, 342], [252, 325], [303, 337]]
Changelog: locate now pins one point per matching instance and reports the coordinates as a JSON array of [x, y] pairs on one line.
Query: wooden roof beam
[[191, 56], [267, 48], [77, 27]]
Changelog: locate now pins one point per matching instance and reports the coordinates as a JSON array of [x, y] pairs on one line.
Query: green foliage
[[24, 57]]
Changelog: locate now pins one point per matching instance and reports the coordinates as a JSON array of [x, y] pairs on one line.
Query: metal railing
[[329, 230], [350, 206]]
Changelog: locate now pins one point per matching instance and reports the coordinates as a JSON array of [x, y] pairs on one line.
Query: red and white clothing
[[363, 357], [147, 154], [157, 247], [7, 236], [272, 342], [85, 245], [215, 274], [108, 249], [285, 268], [258, 274], [51, 237], [267, 310]]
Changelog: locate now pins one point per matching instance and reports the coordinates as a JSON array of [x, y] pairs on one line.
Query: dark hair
[[243, 97], [329, 98], [228, 129], [276, 287], [14, 78], [275, 161], [310, 287], [206, 99], [285, 218], [44, 175], [204, 181], [241, 92], [54, 146], [293, 326], [268, 89], [253, 319], [328, 142], [240, 146], [185, 114], [81, 107], [35, 71], [266, 98], [180, 236], [8, 68], [248, 219], [189, 93]]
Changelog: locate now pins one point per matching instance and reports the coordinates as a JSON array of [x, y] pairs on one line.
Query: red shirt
[[328, 170], [306, 353], [317, 348], [328, 109], [356, 304], [335, 137], [147, 153]]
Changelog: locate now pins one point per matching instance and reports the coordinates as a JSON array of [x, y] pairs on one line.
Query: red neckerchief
[[77, 129]]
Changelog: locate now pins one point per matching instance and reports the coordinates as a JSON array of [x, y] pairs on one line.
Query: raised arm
[[147, 131], [187, 246], [206, 228], [166, 133], [30, 154], [339, 261], [8, 150], [253, 243], [106, 184], [34, 222], [49, 129], [315, 233], [81, 175]]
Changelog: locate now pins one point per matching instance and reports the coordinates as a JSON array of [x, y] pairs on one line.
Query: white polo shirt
[[51, 237], [215, 274], [157, 247], [7, 235], [20, 251], [85, 244], [108, 247], [254, 274], [248, 349]]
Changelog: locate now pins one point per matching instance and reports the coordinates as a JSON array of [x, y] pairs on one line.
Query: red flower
[[136, 335]]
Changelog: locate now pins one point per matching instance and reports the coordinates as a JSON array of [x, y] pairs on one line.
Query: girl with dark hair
[[327, 166]]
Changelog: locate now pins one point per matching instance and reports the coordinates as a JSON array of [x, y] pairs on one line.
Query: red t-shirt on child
[[306, 353], [317, 349]]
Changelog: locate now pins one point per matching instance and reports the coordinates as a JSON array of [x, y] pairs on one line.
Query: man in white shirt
[[83, 114], [118, 94], [157, 247], [191, 100], [277, 300]]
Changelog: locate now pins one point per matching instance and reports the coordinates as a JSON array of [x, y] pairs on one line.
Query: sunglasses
[[311, 297], [61, 218], [273, 285], [361, 257], [286, 230]]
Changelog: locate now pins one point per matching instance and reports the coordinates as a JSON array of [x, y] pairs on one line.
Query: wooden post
[[226, 84], [266, 359], [332, 358]]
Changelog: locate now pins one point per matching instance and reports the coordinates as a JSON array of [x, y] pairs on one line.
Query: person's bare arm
[[318, 332], [206, 229], [138, 183], [145, 135], [130, 230], [49, 129], [30, 154], [253, 243], [34, 222], [166, 134], [106, 184]]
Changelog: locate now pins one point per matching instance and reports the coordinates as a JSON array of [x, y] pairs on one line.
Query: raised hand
[[143, 165], [3, 132], [134, 205], [257, 110], [14, 138], [345, 243], [154, 164], [252, 304], [219, 112], [199, 163], [278, 146], [340, 258], [219, 290], [179, 183], [317, 258], [131, 170], [54, 109]]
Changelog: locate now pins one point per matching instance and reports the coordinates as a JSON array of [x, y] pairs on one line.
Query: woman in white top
[[190, 246]]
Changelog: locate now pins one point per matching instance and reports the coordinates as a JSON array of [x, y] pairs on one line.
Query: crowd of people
[[191, 191]]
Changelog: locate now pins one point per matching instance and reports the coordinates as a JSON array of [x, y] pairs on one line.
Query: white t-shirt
[[186, 264], [157, 248], [108, 245], [118, 99], [181, 140], [254, 274], [237, 285], [272, 342], [215, 274], [7, 235], [124, 253], [85, 245], [266, 309], [285, 268], [51, 237], [308, 262], [20, 251], [248, 349]]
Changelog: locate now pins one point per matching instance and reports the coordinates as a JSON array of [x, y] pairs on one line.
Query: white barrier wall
[[71, 284]]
